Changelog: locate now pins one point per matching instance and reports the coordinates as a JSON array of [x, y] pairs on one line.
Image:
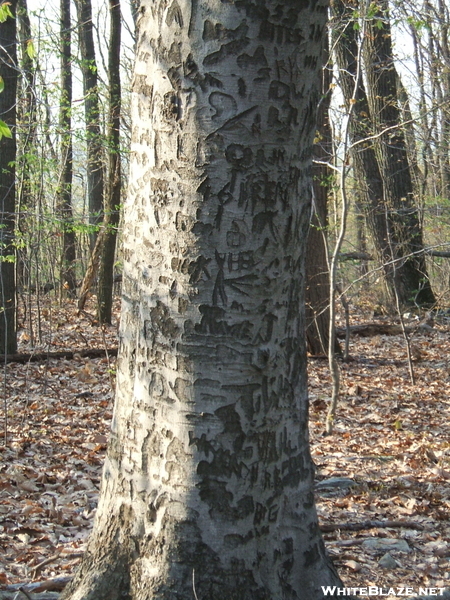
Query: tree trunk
[[435, 96], [365, 166], [406, 116], [208, 485], [425, 133], [8, 75], [65, 184], [317, 269], [112, 204], [401, 210], [361, 240], [444, 75], [26, 140], [390, 231], [92, 116]]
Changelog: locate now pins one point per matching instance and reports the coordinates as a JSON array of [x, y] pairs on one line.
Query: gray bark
[[208, 485]]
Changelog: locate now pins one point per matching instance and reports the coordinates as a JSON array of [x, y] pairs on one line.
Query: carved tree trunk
[[208, 484], [8, 73]]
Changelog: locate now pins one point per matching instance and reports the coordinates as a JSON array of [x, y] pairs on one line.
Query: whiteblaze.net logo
[[399, 591]]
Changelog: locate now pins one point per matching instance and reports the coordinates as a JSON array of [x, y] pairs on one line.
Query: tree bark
[[64, 199], [112, 204], [95, 166], [208, 485], [8, 73]]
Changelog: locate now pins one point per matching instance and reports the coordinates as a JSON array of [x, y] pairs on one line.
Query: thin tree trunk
[[64, 201], [445, 111], [9, 76], [112, 205], [317, 268], [26, 139], [361, 239], [208, 486], [436, 98], [95, 166], [426, 151]]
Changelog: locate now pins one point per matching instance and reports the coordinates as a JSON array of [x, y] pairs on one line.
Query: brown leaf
[[353, 565]]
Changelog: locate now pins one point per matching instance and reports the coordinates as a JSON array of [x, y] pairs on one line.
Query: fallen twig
[[43, 563], [25, 593], [42, 596], [67, 354], [370, 525], [372, 329], [54, 585]]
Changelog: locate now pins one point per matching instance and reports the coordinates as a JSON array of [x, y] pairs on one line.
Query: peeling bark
[[208, 483]]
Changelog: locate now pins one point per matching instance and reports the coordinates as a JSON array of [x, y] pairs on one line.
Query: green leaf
[[5, 12], [9, 258], [5, 131], [2, 84], [31, 50]]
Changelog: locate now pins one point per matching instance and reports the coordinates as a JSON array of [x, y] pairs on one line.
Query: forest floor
[[386, 467]]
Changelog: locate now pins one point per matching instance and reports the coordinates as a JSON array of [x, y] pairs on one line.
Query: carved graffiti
[[280, 34], [237, 284], [213, 322]]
